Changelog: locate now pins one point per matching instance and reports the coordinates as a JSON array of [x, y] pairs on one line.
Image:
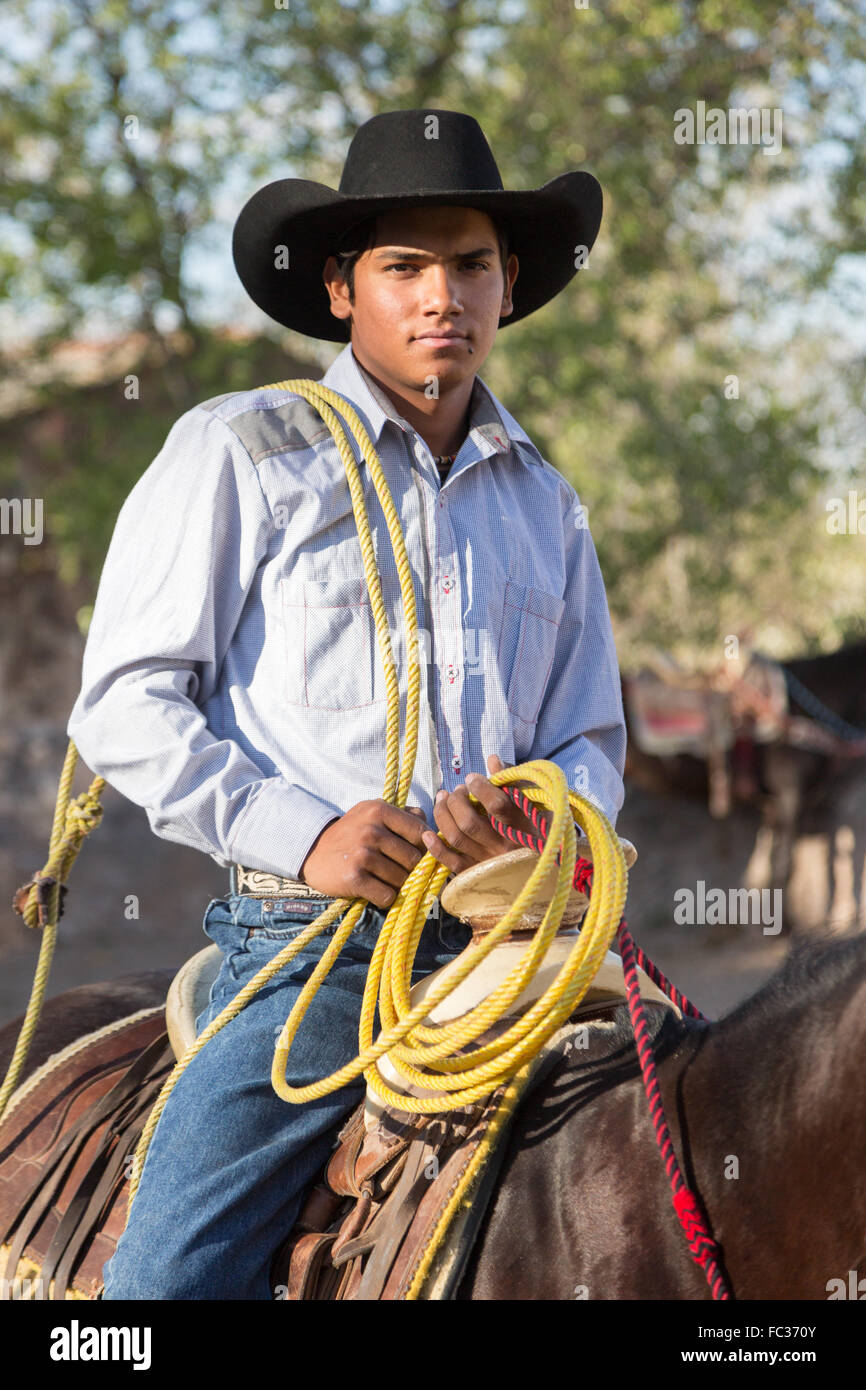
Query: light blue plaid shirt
[[232, 683]]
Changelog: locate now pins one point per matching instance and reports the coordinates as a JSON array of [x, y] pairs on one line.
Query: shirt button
[[456, 764], [447, 586]]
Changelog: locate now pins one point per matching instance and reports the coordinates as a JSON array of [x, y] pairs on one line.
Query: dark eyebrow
[[398, 252]]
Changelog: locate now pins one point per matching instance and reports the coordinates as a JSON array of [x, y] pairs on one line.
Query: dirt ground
[[136, 902]]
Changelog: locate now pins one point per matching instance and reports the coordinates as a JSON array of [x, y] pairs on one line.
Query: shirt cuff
[[278, 827]]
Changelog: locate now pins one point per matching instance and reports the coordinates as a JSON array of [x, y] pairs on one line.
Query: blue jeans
[[230, 1163]]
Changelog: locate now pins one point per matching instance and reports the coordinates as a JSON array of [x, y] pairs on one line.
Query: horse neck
[[838, 678], [773, 1107]]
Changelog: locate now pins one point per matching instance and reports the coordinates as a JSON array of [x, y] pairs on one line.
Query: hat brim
[[286, 231]]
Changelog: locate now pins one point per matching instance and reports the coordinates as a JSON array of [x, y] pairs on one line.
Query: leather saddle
[[66, 1142]]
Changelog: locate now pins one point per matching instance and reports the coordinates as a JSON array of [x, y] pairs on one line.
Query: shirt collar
[[490, 425]]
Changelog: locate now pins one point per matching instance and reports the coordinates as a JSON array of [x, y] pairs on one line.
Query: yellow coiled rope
[[433, 1058]]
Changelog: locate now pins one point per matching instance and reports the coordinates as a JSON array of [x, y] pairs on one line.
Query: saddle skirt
[[65, 1144]]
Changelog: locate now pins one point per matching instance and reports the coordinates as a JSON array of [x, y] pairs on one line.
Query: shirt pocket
[[332, 650], [527, 646]]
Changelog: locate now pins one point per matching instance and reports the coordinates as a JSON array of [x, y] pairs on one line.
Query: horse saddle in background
[[671, 711], [666, 719]]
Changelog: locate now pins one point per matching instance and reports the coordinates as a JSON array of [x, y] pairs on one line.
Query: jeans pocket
[[231, 939], [218, 910], [283, 922]]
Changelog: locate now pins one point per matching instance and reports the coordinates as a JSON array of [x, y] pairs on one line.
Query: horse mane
[[613, 1058], [809, 974], [664, 1029]]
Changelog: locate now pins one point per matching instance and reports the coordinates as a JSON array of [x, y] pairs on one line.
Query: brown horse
[[766, 1109]]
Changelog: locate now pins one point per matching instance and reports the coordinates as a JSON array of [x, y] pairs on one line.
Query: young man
[[232, 682]]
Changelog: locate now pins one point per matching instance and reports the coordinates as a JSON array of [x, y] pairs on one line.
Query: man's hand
[[469, 836], [367, 853], [371, 850]]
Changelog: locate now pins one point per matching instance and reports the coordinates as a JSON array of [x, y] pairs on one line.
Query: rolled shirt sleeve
[[581, 726], [180, 566]]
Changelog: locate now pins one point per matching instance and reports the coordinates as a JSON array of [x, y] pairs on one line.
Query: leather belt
[[258, 883]]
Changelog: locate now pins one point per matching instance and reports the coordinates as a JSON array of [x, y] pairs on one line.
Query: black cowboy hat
[[286, 231]]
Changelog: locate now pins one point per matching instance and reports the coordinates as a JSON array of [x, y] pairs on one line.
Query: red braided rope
[[704, 1250]]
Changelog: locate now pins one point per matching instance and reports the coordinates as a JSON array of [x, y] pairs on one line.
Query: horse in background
[[799, 790]]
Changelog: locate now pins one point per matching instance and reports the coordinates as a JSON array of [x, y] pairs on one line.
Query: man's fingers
[[497, 801], [474, 820], [408, 824], [465, 827], [453, 833], [445, 854], [379, 875], [397, 848], [498, 804], [493, 799], [376, 892]]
